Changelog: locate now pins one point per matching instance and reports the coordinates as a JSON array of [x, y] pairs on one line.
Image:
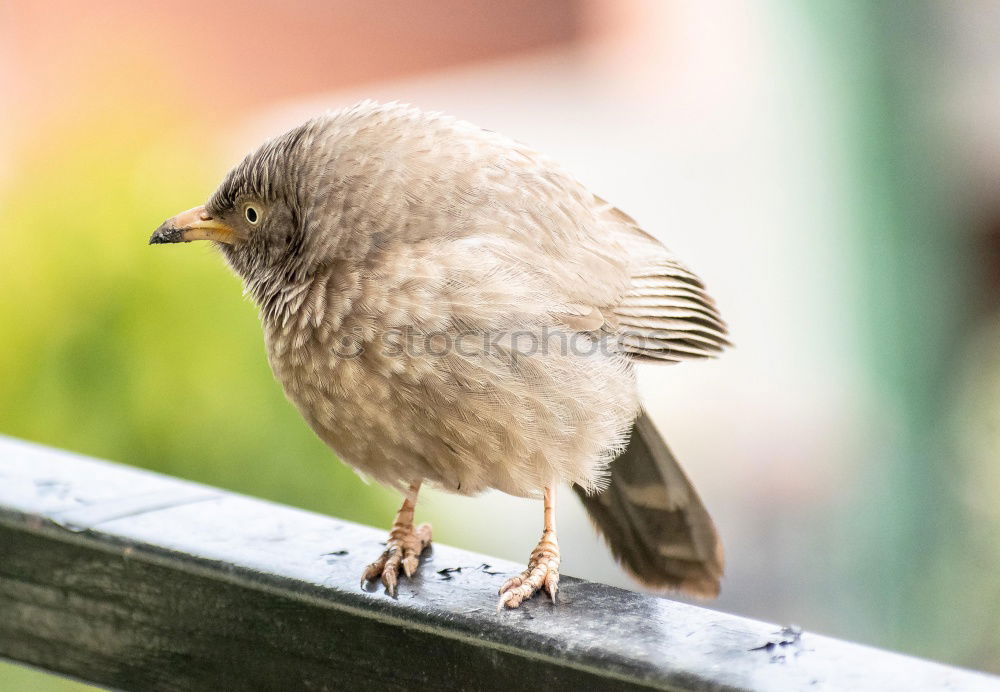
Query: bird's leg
[[404, 546], [543, 566]]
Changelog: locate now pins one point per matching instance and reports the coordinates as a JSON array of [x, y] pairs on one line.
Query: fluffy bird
[[446, 306]]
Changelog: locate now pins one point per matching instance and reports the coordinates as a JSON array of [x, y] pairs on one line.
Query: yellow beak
[[194, 224]]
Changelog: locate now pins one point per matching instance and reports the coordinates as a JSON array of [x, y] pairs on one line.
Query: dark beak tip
[[165, 234]]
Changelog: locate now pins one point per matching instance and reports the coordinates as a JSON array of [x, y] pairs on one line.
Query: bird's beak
[[194, 224]]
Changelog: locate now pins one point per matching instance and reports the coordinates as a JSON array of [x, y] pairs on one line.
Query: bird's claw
[[401, 550], [542, 572]]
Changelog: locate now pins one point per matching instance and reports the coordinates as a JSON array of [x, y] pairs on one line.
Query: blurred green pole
[[911, 308]]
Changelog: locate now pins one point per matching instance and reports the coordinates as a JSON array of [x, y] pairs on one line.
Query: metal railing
[[133, 580]]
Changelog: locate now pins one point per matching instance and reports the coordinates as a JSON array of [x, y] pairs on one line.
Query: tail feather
[[653, 520]]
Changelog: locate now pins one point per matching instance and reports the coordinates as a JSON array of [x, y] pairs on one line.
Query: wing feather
[[666, 315]]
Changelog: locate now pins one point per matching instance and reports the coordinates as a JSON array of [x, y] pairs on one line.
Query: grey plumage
[[381, 227]]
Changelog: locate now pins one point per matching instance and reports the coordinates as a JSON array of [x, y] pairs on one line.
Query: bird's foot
[[542, 571], [403, 548]]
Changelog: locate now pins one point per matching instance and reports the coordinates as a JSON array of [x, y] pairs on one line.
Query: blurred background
[[831, 169]]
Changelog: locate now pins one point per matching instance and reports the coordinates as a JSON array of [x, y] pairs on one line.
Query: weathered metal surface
[[134, 580]]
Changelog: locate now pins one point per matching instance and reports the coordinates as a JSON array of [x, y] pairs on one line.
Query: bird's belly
[[464, 422]]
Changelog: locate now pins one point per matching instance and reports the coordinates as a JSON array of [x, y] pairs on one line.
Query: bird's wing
[[666, 315], [578, 258]]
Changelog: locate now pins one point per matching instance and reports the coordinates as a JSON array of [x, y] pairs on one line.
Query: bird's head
[[267, 217]]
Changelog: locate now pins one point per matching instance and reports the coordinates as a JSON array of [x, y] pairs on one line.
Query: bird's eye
[[252, 215]]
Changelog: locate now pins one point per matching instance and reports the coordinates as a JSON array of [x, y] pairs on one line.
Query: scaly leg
[[403, 547], [543, 567]]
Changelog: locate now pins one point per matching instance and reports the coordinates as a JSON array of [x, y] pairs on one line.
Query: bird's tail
[[653, 520]]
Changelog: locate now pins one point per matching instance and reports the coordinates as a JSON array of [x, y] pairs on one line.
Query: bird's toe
[[402, 550], [390, 573], [542, 573]]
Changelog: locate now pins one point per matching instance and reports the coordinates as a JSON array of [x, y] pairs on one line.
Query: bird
[[448, 307]]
